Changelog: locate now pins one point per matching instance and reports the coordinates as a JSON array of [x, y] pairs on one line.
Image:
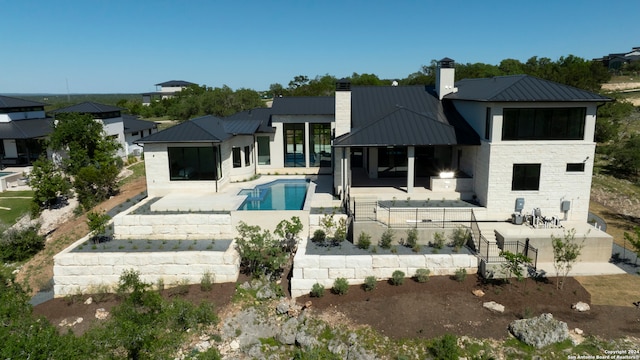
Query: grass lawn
[[617, 290], [14, 204], [138, 172]]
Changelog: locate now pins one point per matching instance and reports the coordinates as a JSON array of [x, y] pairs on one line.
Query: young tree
[[97, 223], [91, 157], [565, 254], [289, 231], [513, 264], [49, 184]]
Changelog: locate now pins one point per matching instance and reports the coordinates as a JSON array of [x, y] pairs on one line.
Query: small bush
[[397, 278], [370, 283], [460, 274], [206, 281], [386, 239], [317, 290], [412, 238], [319, 237], [19, 245], [364, 241], [445, 348], [340, 234], [340, 286], [459, 238], [422, 275], [438, 240]]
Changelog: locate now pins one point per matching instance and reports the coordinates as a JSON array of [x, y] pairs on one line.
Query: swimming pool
[[284, 194]]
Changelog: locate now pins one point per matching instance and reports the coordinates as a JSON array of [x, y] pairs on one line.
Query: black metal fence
[[490, 251], [406, 217]]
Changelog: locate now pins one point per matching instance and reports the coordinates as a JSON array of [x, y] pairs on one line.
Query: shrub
[[206, 281], [340, 286], [412, 238], [340, 234], [386, 239], [460, 274], [397, 278], [370, 283], [422, 275], [260, 253], [364, 241], [459, 237], [97, 223], [445, 348], [319, 236], [20, 244], [317, 290], [438, 240]]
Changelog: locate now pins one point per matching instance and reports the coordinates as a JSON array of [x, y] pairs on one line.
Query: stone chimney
[[445, 77], [343, 107]]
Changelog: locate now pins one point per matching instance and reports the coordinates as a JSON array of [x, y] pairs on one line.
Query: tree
[[513, 264], [289, 231], [565, 254], [49, 184], [90, 159], [634, 240], [97, 223], [260, 254]]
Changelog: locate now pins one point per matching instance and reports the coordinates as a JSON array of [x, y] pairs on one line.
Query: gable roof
[[175, 83], [304, 105], [203, 129], [521, 88], [404, 115], [133, 124], [7, 102], [88, 107], [26, 129]]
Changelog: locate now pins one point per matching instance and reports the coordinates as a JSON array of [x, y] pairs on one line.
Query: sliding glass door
[[294, 145]]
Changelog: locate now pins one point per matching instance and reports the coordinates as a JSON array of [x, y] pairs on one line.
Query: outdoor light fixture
[[446, 174]]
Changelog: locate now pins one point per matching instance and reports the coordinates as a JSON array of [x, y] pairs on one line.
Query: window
[[487, 125], [236, 157], [526, 177], [320, 147], [575, 167], [247, 155], [544, 124], [135, 133], [294, 145], [194, 163], [264, 154]]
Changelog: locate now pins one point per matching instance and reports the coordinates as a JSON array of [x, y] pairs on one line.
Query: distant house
[[109, 116], [165, 90], [616, 61], [135, 129], [23, 126]]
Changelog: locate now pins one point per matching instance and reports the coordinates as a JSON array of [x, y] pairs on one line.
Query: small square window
[[526, 177], [575, 167]]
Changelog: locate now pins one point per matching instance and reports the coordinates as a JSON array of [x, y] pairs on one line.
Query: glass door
[[294, 145]]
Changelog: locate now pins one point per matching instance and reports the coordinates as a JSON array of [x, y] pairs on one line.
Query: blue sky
[[127, 46]]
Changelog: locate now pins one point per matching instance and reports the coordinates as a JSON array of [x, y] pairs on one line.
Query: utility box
[[519, 204], [565, 205], [517, 219]]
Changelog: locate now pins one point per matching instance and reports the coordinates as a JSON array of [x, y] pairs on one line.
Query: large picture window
[[526, 177], [544, 124], [194, 163]]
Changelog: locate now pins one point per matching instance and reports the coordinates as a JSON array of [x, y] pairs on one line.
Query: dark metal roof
[[303, 105], [88, 107], [203, 129], [404, 115], [175, 83], [7, 102], [133, 124], [26, 129], [263, 115], [520, 88], [241, 127]]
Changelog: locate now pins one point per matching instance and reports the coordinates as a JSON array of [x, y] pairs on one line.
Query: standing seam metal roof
[[203, 129], [7, 102], [88, 107]]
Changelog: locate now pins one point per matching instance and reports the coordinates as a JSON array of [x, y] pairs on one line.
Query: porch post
[[410, 168], [306, 145]]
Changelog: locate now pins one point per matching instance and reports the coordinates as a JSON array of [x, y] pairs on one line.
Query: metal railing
[[490, 251], [406, 217]]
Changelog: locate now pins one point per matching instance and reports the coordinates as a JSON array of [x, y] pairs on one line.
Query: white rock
[[78, 321], [101, 314], [88, 301], [494, 306], [234, 345], [578, 331], [581, 306], [203, 346]]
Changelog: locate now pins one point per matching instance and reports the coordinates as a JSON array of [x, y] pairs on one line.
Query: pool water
[[5, 173], [276, 195]]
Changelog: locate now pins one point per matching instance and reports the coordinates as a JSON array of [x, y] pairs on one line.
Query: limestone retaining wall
[[187, 226], [75, 272], [324, 269]]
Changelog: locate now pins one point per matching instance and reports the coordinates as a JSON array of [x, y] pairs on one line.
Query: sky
[[128, 46]]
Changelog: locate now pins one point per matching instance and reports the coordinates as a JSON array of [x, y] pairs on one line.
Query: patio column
[[411, 151], [306, 145]]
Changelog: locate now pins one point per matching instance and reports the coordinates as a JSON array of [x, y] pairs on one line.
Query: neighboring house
[[109, 116], [165, 90], [507, 143], [135, 129], [23, 126], [616, 61]]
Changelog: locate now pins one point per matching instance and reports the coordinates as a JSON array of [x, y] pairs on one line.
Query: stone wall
[[324, 269], [76, 272], [174, 226]]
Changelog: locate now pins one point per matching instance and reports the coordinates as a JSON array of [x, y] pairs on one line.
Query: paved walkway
[[583, 269]]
